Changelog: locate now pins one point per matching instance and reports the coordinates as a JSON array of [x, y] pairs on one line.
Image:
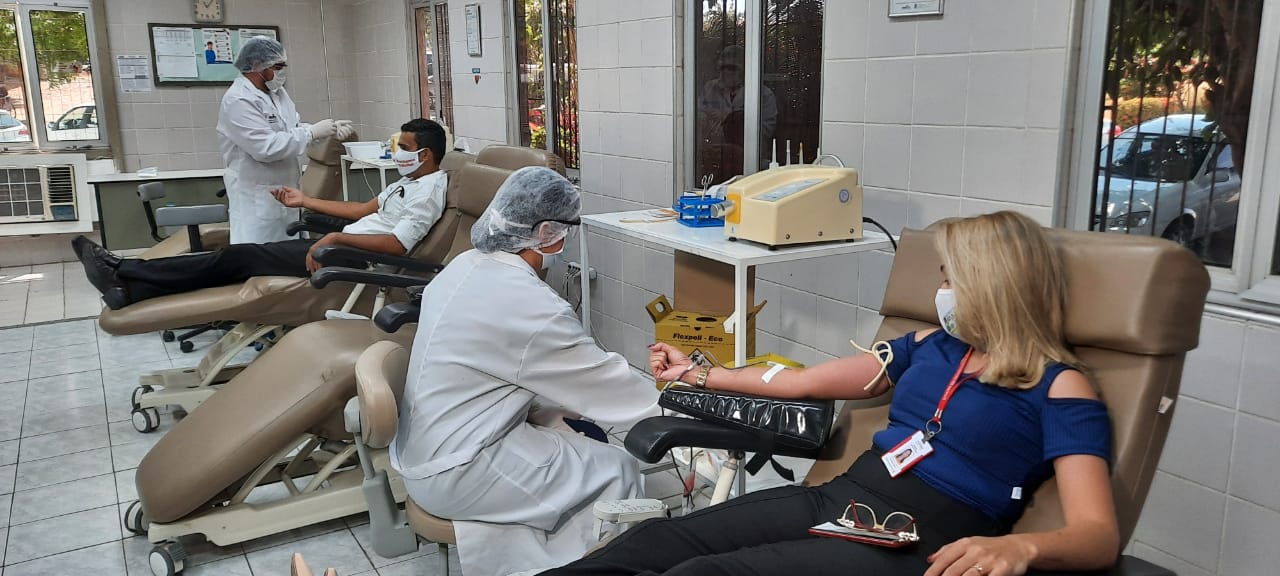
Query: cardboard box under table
[[693, 331]]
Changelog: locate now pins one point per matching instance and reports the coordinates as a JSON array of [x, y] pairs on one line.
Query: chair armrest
[[346, 255], [392, 317], [190, 215], [317, 223], [651, 438], [1126, 566], [329, 274]]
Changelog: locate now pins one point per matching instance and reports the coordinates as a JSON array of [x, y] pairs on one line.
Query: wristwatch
[[702, 377]]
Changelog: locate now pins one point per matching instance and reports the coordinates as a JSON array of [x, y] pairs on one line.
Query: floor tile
[[428, 565], [101, 560], [200, 556], [7, 476], [60, 443], [41, 369], [48, 422], [366, 542], [132, 351], [338, 550], [63, 468], [16, 339], [14, 365], [65, 334], [128, 456], [123, 433], [66, 498], [63, 382], [294, 535], [8, 452], [64, 533], [6, 508], [126, 490], [235, 566], [46, 401]]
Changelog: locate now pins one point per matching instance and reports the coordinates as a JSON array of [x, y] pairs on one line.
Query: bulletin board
[[196, 55]]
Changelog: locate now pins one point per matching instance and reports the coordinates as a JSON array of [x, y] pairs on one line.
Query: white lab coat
[[493, 338], [261, 138]]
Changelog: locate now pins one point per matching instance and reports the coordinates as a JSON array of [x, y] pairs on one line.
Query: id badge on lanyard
[[916, 447]]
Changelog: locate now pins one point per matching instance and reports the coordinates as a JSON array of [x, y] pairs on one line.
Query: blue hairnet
[[523, 213], [258, 54]]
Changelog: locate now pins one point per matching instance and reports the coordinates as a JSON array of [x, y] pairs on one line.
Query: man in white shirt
[[496, 353], [392, 223]]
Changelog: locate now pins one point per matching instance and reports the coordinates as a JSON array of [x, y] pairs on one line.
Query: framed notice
[[901, 8], [474, 47], [196, 55]]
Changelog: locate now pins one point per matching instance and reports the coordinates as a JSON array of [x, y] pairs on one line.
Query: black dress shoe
[[82, 246], [103, 276]]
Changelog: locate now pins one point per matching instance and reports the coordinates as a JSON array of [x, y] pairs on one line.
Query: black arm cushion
[[394, 316], [346, 256], [1127, 566], [651, 438], [318, 223], [329, 274]]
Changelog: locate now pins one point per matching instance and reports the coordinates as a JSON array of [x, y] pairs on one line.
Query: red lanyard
[[952, 386]]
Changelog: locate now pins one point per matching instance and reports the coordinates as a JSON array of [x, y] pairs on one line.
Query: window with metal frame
[[1177, 99], [50, 83], [546, 56], [435, 85], [751, 106]]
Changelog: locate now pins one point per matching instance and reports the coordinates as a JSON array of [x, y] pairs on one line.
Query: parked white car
[[1172, 177], [12, 129], [78, 123]]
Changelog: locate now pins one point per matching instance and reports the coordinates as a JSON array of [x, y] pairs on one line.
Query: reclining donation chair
[[280, 420], [263, 307], [1134, 309]]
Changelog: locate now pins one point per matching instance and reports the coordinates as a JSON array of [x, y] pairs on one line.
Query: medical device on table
[[796, 204]]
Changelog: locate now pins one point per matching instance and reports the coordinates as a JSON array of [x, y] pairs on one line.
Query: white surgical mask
[[276, 82], [407, 161], [945, 301], [549, 259]]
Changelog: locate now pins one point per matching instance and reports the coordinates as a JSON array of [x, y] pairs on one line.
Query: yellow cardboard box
[[690, 331]]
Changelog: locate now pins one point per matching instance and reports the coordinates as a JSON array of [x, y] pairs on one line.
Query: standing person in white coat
[[495, 347], [261, 138]]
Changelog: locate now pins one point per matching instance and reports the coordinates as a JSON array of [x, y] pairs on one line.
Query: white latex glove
[[323, 129], [344, 129]]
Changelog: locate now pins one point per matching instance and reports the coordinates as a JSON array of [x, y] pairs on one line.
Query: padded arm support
[[318, 223], [339, 274], [191, 215], [345, 255], [394, 316], [1127, 566]]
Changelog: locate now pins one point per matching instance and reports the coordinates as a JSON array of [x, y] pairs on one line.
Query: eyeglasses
[[280, 66], [572, 224], [861, 517]]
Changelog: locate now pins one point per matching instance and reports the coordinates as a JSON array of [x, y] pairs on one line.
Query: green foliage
[[62, 44]]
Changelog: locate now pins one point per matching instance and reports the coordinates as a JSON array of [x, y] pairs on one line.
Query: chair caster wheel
[[168, 336], [138, 393], [134, 520], [146, 419], [167, 559], [187, 346], [178, 413]]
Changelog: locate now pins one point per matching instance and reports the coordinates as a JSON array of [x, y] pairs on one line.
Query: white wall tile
[[1254, 465], [941, 88], [657, 41], [1039, 166], [937, 159], [889, 37], [1249, 540], [797, 315], [925, 209], [992, 162], [1046, 88], [1002, 25], [837, 277], [1165, 525], [886, 156], [631, 44], [836, 324], [1199, 444], [948, 34], [998, 85], [632, 95], [1212, 371], [973, 207], [845, 29], [889, 86], [1052, 22], [888, 207], [845, 141], [1259, 393], [1165, 560], [844, 85]]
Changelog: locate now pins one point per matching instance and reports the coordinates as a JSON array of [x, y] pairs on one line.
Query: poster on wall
[[900, 8], [134, 73], [186, 55], [474, 47]]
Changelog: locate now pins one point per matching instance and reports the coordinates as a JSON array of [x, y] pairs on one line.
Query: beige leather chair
[[1134, 310], [196, 480]]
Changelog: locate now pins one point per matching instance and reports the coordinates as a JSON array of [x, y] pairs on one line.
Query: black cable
[[882, 229]]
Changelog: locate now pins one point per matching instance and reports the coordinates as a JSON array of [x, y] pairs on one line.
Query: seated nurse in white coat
[[494, 343]]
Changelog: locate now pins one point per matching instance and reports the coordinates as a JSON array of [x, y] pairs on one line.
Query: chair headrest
[[330, 150], [1131, 294], [513, 158], [454, 161], [380, 375], [151, 191], [480, 184]]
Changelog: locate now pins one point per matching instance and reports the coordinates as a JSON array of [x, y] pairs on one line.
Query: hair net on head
[[523, 212], [258, 54]]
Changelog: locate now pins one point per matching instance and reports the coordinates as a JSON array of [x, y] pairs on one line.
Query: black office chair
[[190, 217]]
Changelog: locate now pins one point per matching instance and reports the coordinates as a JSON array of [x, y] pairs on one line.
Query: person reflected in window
[[721, 115]]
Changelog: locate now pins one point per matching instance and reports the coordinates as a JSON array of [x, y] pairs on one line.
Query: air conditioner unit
[[38, 194]]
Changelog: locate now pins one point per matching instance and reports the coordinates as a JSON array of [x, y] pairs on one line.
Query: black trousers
[[765, 533], [231, 265]]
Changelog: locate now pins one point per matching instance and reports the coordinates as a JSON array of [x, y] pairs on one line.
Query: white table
[[346, 163], [711, 243], [160, 176]]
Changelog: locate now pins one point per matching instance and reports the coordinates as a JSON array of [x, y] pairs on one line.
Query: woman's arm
[[1090, 540]]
